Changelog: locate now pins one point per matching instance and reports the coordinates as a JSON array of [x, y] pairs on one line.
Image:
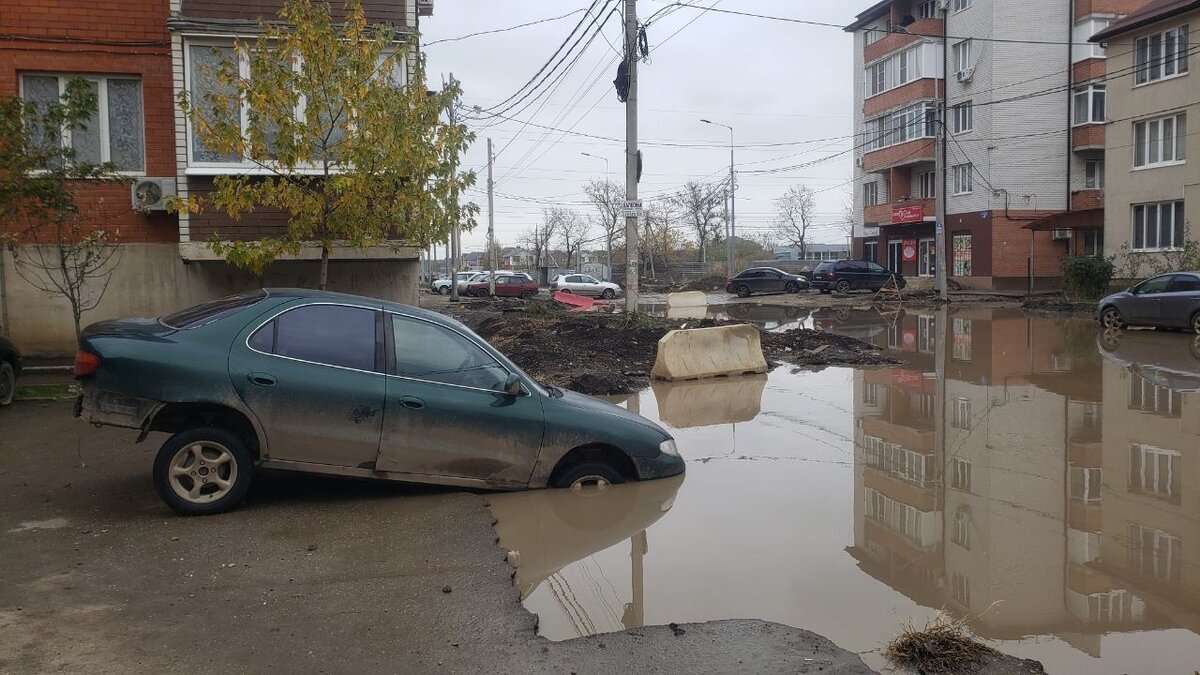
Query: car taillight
[[86, 364], [728, 281]]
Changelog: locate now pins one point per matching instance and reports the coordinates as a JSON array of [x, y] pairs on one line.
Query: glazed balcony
[[910, 153], [916, 436], [893, 42], [924, 89]]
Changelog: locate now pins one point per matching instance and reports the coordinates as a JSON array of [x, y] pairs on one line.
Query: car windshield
[[211, 311], [824, 267]]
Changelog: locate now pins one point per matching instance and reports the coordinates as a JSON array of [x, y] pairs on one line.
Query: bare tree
[[538, 238], [573, 230], [608, 198], [700, 206], [658, 238], [795, 212]]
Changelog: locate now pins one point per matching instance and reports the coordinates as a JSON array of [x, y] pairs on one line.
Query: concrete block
[[702, 403], [709, 352], [687, 299]]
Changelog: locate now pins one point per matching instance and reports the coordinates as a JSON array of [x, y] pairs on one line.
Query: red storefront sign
[[908, 250], [908, 214], [907, 378]]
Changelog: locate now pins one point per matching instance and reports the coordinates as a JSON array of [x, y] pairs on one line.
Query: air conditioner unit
[[425, 7], [943, 5], [1060, 234], [966, 75], [151, 194], [859, 160]]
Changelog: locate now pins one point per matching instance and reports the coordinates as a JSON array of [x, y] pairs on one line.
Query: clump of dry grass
[[943, 645]]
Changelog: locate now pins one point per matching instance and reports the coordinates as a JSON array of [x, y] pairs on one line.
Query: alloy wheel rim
[[202, 472], [590, 483], [1112, 319]]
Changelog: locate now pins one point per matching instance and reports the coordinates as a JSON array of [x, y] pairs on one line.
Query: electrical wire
[[502, 30]]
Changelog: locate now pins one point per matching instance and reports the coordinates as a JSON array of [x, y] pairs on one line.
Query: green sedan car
[[350, 386]]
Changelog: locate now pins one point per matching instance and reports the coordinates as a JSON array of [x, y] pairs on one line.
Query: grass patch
[[942, 645], [635, 321], [46, 392]]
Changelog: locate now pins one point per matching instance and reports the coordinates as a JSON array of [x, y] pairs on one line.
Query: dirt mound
[[706, 284]]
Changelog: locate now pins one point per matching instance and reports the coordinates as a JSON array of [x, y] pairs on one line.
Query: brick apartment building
[[139, 57], [1024, 120]]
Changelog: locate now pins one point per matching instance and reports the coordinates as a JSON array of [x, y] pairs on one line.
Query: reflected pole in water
[[635, 612]]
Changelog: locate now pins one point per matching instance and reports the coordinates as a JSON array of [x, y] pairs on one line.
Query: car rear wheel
[[742, 291], [842, 286], [587, 474], [1111, 319], [444, 290], [8, 382], [792, 287], [608, 294], [525, 295], [203, 471]]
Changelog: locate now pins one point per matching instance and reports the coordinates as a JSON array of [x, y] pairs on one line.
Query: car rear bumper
[[823, 285], [116, 410], [662, 466]]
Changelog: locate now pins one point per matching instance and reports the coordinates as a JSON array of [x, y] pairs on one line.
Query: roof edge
[[869, 15], [1135, 21]]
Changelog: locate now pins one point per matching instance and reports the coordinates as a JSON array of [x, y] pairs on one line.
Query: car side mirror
[[512, 385]]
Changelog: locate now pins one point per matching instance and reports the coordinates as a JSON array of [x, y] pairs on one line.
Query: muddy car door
[[313, 377], [447, 413]]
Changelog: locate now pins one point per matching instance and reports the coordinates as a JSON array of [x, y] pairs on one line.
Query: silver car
[[1166, 301], [584, 284]]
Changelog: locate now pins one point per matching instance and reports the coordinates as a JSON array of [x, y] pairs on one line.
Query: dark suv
[[844, 276], [765, 280]]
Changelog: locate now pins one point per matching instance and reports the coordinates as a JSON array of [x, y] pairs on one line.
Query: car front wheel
[[1111, 319], [203, 471], [590, 473], [608, 294], [8, 382], [743, 291], [1196, 323], [792, 287]]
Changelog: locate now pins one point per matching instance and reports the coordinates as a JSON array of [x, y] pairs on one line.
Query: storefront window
[[962, 255]]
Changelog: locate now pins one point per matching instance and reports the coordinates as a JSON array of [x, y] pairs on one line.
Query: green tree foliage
[[39, 173], [1087, 277], [344, 135]]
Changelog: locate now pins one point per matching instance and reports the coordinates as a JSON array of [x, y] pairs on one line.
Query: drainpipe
[[1070, 96]]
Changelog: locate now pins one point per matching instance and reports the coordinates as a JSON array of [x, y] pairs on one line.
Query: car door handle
[[412, 402], [262, 379]]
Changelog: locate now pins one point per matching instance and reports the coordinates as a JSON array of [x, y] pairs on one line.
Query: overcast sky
[[773, 82]]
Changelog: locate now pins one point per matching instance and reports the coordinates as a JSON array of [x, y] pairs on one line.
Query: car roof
[[330, 296]]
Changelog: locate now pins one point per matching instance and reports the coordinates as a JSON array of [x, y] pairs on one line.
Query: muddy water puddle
[[1024, 473]]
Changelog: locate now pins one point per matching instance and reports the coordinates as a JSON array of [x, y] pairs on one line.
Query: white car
[[442, 285], [583, 284]]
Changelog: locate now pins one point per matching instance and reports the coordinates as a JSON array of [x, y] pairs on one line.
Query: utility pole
[[455, 253], [730, 272], [732, 200], [939, 231], [631, 159], [491, 227]]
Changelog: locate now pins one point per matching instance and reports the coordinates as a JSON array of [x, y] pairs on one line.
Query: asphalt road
[[311, 575]]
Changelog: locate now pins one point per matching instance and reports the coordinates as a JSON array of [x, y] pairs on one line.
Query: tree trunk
[[75, 315], [324, 266]]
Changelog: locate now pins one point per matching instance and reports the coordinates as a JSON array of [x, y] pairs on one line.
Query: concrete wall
[[151, 280]]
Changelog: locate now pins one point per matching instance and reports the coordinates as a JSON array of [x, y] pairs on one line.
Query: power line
[[503, 30]]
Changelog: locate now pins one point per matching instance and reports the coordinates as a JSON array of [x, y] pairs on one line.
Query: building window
[[1147, 396], [1158, 227], [894, 71], [962, 413], [962, 56], [926, 257], [927, 333], [1155, 553], [1088, 104], [901, 126], [870, 194], [871, 251], [115, 133], [873, 35], [960, 589], [871, 394], [876, 78], [963, 180], [1093, 174], [960, 345], [1160, 141], [962, 529], [1085, 484], [1084, 30], [1154, 471], [960, 5], [962, 255], [927, 187], [927, 9], [1093, 243], [960, 474], [963, 115], [1161, 55], [895, 253]]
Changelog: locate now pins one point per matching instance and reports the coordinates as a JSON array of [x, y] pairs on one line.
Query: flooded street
[[1021, 472]]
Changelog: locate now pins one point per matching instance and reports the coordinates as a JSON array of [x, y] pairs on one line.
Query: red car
[[515, 286]]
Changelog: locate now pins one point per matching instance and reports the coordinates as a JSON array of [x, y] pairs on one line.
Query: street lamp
[[605, 159], [732, 201], [608, 196]]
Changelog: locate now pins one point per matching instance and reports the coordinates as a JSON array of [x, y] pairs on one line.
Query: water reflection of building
[[1028, 487]]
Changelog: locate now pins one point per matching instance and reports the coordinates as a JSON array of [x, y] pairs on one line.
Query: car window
[[876, 267], [850, 266], [333, 335], [211, 311], [1155, 285], [824, 267], [502, 280], [1184, 282], [574, 279], [751, 274], [427, 351], [589, 280]]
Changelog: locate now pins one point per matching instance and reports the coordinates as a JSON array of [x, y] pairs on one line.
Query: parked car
[[1165, 301], [844, 276], [344, 385], [507, 286], [765, 280], [1168, 360], [10, 370], [442, 285], [477, 277], [584, 284]]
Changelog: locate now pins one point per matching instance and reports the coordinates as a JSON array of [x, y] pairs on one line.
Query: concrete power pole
[[631, 158], [939, 236], [455, 253], [491, 228]]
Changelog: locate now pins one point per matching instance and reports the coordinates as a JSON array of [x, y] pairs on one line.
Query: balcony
[[1086, 200], [896, 41], [900, 212], [910, 153], [918, 437], [918, 90], [1087, 137]]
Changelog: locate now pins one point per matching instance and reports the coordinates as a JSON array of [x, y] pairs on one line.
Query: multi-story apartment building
[[1023, 109], [139, 58], [1152, 203]]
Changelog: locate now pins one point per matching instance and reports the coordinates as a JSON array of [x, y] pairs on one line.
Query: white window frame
[[961, 534], [962, 414], [963, 60], [1093, 174], [964, 181], [894, 70], [960, 475], [1144, 60], [964, 117], [101, 80], [1084, 30], [1150, 146], [1089, 94], [906, 124], [927, 184], [1152, 462], [1087, 478], [1174, 208], [873, 35], [927, 9], [960, 5], [871, 193]]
